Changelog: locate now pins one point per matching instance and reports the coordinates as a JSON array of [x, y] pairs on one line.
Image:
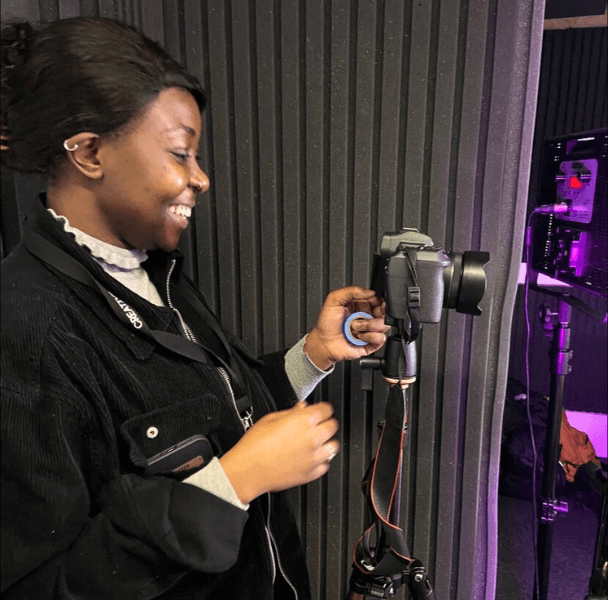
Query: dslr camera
[[418, 279]]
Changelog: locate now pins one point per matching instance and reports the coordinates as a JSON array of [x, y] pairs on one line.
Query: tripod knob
[[546, 316], [419, 584]]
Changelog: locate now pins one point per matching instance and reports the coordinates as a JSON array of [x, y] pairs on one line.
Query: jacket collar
[[41, 222]]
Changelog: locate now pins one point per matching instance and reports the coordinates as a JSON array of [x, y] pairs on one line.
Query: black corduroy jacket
[[81, 393]]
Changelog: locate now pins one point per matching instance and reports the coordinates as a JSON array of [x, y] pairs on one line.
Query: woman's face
[[151, 176]]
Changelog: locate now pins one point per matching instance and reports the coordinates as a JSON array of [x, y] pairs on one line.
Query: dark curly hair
[[73, 75]]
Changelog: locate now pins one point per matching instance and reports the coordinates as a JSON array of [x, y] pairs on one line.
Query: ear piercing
[[65, 145]]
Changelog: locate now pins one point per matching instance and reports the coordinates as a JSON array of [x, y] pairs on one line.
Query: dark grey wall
[[329, 123]]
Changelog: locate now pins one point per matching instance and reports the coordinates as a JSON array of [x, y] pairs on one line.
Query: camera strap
[[413, 294], [381, 558], [66, 264], [382, 550]]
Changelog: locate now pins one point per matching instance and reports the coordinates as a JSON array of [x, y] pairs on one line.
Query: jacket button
[[152, 432]]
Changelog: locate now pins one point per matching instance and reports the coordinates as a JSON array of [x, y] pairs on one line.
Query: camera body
[[410, 272], [404, 252]]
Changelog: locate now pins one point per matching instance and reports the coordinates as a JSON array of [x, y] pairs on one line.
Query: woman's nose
[[200, 181]]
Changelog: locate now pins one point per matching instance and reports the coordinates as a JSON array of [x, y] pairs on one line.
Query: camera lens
[[464, 281]]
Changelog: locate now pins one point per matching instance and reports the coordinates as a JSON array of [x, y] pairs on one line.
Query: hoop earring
[[65, 145]]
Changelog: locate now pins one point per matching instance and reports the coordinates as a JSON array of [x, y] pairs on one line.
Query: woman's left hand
[[326, 344]]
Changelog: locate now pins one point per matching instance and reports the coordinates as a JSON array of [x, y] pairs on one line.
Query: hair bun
[[16, 43], [116, 70]]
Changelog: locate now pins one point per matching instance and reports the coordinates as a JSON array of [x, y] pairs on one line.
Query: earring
[[65, 145]]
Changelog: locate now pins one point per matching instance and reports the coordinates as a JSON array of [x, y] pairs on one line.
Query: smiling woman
[[145, 452], [135, 189]]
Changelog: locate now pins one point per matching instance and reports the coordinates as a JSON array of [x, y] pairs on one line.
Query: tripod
[[382, 560]]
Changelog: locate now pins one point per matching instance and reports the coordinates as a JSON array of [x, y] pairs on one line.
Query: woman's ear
[[81, 150]]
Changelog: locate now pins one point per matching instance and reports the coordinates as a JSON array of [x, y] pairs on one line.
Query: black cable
[[527, 361]]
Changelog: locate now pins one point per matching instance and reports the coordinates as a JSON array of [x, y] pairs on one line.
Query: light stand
[[560, 355]]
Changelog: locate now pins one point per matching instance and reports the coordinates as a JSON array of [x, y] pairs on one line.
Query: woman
[[144, 450]]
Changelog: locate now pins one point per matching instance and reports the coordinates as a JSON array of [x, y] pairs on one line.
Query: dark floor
[[572, 553]]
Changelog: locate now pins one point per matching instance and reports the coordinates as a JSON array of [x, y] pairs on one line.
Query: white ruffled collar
[[122, 258]]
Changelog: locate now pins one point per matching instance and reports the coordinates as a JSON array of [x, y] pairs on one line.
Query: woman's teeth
[[180, 209]]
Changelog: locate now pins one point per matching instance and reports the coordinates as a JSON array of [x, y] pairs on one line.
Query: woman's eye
[[181, 156]]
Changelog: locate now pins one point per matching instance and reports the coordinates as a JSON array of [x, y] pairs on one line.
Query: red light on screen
[[575, 183]]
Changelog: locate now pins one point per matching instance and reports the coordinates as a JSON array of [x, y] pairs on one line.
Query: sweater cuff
[[303, 374], [214, 480]]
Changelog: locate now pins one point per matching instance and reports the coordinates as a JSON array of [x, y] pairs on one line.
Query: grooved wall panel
[[329, 123]]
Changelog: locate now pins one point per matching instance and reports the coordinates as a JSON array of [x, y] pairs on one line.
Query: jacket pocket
[[161, 436]]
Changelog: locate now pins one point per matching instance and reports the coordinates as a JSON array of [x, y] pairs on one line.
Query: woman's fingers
[[283, 449]]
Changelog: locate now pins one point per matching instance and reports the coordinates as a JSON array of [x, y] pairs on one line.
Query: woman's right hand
[[283, 449]]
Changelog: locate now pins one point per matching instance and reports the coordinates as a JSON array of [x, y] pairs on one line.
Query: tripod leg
[[598, 584]]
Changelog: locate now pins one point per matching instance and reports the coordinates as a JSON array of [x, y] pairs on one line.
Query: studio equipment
[[417, 280], [566, 239], [570, 231]]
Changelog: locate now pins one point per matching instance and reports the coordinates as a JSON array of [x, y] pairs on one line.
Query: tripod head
[[399, 363]]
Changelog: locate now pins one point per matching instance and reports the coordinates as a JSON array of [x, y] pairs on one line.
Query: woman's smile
[[180, 213]]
